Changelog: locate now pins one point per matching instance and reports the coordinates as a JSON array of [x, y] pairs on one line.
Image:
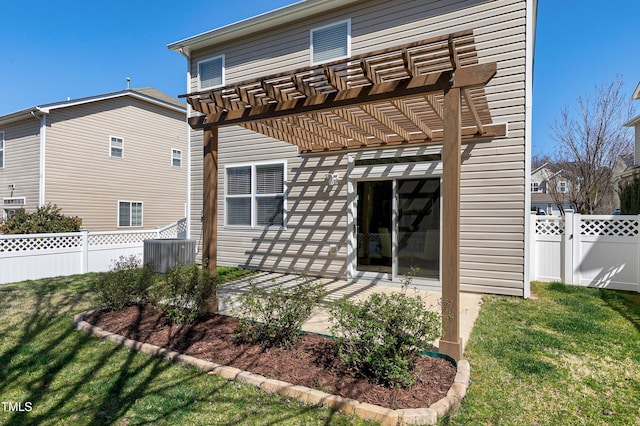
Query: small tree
[[591, 140], [630, 196], [46, 219]]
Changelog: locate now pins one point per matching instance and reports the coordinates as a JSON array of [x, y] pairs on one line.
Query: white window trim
[[213, 58], [111, 137], [3, 150], [179, 151], [6, 203], [130, 215], [333, 24], [253, 195], [535, 186]]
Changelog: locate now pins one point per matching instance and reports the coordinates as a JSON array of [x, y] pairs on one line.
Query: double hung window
[[1, 150], [255, 195], [116, 147]]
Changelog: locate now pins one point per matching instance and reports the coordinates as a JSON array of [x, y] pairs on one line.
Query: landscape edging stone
[[382, 415]]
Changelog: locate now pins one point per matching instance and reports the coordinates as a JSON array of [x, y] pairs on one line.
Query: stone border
[[384, 416]]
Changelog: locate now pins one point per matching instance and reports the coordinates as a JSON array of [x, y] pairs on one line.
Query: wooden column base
[[453, 349]]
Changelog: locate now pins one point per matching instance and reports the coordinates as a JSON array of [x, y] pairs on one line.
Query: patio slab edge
[[366, 411]]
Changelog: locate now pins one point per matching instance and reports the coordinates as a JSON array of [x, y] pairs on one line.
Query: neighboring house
[[635, 123], [117, 160], [332, 126], [545, 180]]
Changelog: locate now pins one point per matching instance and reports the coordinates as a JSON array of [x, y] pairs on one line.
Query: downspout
[[188, 212], [43, 145], [532, 10]]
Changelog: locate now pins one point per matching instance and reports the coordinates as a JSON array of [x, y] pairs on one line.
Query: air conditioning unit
[[166, 253]]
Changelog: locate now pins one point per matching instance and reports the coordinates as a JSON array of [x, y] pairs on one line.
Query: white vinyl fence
[[34, 256], [594, 251]]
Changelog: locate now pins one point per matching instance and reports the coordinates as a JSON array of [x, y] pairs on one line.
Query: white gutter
[[532, 10]]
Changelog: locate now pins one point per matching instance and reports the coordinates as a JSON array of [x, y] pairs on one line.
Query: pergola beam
[[470, 76]]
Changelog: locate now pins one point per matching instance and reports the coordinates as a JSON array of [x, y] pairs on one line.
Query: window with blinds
[[254, 195], [211, 72], [331, 42]]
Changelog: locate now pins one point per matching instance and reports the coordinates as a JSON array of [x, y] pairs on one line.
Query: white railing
[[594, 251], [34, 256]]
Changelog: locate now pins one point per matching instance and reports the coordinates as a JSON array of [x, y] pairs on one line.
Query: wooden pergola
[[426, 92]]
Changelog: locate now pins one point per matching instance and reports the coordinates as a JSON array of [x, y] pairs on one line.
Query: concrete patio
[[319, 322]]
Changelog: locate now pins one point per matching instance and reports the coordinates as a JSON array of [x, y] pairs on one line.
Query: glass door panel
[[419, 227], [374, 226]]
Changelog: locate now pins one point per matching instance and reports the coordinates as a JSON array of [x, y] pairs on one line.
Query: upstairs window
[[331, 42], [211, 73], [255, 195], [535, 187], [129, 213], [562, 187], [1, 150], [176, 158], [116, 147]]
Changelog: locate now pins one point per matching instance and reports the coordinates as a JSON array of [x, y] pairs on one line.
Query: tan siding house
[[118, 161], [371, 213]]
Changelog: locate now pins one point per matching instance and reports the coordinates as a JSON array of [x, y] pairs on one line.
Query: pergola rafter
[[425, 92]]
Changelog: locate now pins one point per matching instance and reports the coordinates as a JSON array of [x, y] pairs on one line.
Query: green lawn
[[569, 357], [69, 378]]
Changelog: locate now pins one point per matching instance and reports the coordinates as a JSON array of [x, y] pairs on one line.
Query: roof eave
[[300, 10], [635, 120]]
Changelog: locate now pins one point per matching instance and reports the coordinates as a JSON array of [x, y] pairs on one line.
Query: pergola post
[[210, 199], [451, 343]]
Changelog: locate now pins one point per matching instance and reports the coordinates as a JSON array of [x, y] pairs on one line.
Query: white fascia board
[[636, 93], [20, 115], [260, 23], [47, 108]]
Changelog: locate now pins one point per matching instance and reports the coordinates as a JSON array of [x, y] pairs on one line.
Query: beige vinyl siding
[[493, 172], [85, 181], [21, 161]]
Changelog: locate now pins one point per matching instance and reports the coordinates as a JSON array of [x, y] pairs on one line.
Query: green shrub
[[185, 292], [46, 219], [273, 317], [127, 283], [385, 334], [630, 196]]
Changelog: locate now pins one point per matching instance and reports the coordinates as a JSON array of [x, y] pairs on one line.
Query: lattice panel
[[609, 227], [118, 238], [550, 226], [40, 243]]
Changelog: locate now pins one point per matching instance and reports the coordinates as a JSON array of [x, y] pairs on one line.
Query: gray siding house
[[117, 160], [358, 193]]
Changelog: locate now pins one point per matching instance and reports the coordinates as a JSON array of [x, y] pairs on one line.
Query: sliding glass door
[[419, 227], [374, 226], [398, 227]]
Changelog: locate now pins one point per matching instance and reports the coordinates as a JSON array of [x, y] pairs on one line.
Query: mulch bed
[[311, 362]]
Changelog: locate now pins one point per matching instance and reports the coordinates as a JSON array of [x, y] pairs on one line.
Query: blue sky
[[58, 49]]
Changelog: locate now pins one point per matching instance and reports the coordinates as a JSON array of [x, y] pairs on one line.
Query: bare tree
[[538, 160], [590, 141]]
